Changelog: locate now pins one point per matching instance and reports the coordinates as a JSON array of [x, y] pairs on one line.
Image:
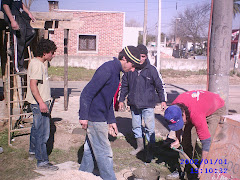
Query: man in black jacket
[[141, 86], [19, 25]]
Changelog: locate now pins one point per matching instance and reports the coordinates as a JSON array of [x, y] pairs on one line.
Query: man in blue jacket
[[96, 113], [141, 86]]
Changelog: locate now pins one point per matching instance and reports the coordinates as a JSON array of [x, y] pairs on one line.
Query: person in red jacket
[[199, 111]]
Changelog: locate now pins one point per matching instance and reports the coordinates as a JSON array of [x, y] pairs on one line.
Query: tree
[[132, 23], [236, 7], [150, 38], [28, 3], [191, 25]]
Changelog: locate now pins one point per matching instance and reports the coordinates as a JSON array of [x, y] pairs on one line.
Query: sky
[[134, 9]]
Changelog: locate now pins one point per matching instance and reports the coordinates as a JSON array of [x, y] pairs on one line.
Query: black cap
[[142, 49], [132, 54]]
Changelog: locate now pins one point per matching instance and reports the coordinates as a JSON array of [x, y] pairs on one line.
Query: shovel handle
[[185, 156]]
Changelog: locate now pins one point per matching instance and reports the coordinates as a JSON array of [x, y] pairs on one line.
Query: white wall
[[130, 36], [94, 62]]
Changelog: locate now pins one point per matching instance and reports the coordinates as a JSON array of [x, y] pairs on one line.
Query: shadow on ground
[[57, 92]]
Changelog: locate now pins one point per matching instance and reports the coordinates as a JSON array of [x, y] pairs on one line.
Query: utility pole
[[159, 35], [66, 34], [220, 46], [145, 23]]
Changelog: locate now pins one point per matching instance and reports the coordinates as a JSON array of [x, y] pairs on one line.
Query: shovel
[[185, 156]]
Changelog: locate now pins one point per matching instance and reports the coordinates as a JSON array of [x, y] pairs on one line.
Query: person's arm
[[123, 91], [204, 156], [176, 143], [159, 86], [35, 92], [111, 118], [8, 12], [28, 12]]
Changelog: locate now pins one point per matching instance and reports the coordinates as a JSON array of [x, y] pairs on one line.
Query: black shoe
[[48, 167]]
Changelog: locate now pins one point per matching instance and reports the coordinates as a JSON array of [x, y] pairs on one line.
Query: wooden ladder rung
[[19, 87], [20, 129], [18, 75], [24, 114], [18, 101]]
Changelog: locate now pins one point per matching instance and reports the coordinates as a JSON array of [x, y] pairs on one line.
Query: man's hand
[[121, 106], [15, 25], [32, 17], [163, 106], [175, 144], [112, 129], [84, 124], [43, 107]]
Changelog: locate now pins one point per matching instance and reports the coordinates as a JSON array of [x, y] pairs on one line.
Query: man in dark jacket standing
[[96, 113], [141, 86], [17, 15]]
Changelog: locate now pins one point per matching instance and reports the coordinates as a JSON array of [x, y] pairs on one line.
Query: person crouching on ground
[[96, 113], [199, 111]]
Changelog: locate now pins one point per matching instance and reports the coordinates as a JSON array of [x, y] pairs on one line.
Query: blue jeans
[[149, 119], [40, 132], [98, 146]]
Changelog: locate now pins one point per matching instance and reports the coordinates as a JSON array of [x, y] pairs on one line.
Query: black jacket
[[141, 87]]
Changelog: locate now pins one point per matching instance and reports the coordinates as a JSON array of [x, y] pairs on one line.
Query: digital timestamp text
[[205, 161], [208, 170]]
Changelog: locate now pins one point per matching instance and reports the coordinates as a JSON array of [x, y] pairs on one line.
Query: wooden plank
[[38, 24], [223, 160], [50, 16], [70, 24]]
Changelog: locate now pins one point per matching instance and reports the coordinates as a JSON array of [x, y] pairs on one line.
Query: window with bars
[[87, 43]]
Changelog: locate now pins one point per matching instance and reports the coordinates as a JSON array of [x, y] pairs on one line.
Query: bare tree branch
[[28, 3]]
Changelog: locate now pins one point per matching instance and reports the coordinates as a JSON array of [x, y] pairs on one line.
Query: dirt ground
[[68, 136]]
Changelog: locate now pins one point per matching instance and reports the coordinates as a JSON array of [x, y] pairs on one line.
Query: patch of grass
[[74, 73], [14, 163], [176, 73], [59, 156], [232, 73]]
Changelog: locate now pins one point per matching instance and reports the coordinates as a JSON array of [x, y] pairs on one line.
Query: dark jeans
[[24, 36], [40, 132]]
